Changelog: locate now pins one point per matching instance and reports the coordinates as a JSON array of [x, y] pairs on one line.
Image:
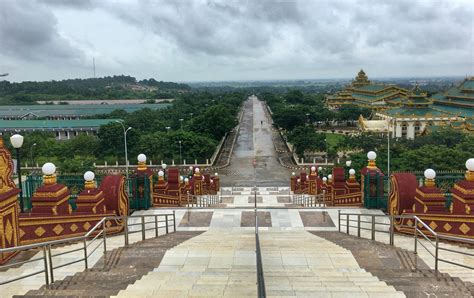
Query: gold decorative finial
[[49, 172], [371, 156], [430, 176], [141, 162]]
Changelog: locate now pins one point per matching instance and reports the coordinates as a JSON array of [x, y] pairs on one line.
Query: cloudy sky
[[235, 40]]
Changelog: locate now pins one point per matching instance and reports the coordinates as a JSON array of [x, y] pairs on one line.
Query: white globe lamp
[[371, 155], [141, 157], [89, 176], [430, 174], [470, 164], [48, 169], [17, 141]]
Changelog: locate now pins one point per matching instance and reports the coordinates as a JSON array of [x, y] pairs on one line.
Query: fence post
[[166, 223], [339, 219], [347, 223], [85, 254], [156, 226], [416, 235], [392, 232], [47, 254], [143, 227], [104, 227], [436, 253], [125, 229], [358, 225], [174, 221], [373, 227]]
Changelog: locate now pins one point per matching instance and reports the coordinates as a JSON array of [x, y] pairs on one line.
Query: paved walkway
[[254, 141], [222, 263]]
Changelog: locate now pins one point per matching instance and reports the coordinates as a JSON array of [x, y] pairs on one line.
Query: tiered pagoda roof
[[455, 105], [458, 100], [415, 105], [365, 93]]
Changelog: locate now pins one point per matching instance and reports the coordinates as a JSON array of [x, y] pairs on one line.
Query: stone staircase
[[123, 266], [400, 268]]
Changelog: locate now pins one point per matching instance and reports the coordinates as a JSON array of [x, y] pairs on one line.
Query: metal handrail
[[260, 276], [416, 231], [47, 245]]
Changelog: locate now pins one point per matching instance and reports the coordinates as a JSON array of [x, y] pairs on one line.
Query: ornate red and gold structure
[[335, 189], [9, 234], [51, 216], [179, 191], [429, 203]]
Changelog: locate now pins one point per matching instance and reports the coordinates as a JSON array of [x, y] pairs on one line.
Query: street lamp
[[168, 128], [180, 156], [390, 120], [31, 154], [125, 145], [307, 117], [17, 142], [181, 122]]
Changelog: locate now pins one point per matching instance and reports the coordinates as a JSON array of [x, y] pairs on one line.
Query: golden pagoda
[[363, 92]]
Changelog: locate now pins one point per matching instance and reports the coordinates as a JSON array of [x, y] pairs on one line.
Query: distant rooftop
[[72, 110], [53, 124]]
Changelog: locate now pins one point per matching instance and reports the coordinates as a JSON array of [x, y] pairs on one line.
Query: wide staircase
[[400, 268], [121, 267], [295, 263]]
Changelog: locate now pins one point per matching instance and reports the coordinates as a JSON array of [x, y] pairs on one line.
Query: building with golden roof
[[363, 92], [418, 113]]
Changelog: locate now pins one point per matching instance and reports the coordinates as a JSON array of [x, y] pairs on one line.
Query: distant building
[[416, 113], [364, 93], [69, 112], [63, 129]]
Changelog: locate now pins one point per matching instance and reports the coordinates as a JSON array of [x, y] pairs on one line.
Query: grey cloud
[[76, 4], [29, 31]]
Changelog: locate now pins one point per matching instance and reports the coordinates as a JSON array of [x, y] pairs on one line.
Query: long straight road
[[254, 143]]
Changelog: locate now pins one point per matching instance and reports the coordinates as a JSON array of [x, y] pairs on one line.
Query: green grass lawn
[[333, 139]]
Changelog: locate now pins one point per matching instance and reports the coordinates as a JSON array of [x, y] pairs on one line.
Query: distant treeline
[[114, 87]]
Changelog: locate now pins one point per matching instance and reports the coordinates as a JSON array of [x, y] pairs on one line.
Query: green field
[[333, 139]]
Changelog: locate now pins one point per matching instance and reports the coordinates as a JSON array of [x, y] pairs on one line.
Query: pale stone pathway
[[222, 263]]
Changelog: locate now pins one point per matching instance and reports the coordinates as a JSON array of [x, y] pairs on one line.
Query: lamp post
[[307, 117], [17, 142], [388, 154], [181, 122], [31, 154], [180, 156], [168, 128], [125, 145]]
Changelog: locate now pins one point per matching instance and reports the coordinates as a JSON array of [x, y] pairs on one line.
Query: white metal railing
[[97, 233], [433, 238], [309, 200], [202, 200]]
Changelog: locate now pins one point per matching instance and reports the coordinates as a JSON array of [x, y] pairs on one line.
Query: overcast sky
[[235, 40]]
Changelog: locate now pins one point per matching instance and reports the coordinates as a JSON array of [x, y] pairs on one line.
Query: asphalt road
[[254, 160]]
